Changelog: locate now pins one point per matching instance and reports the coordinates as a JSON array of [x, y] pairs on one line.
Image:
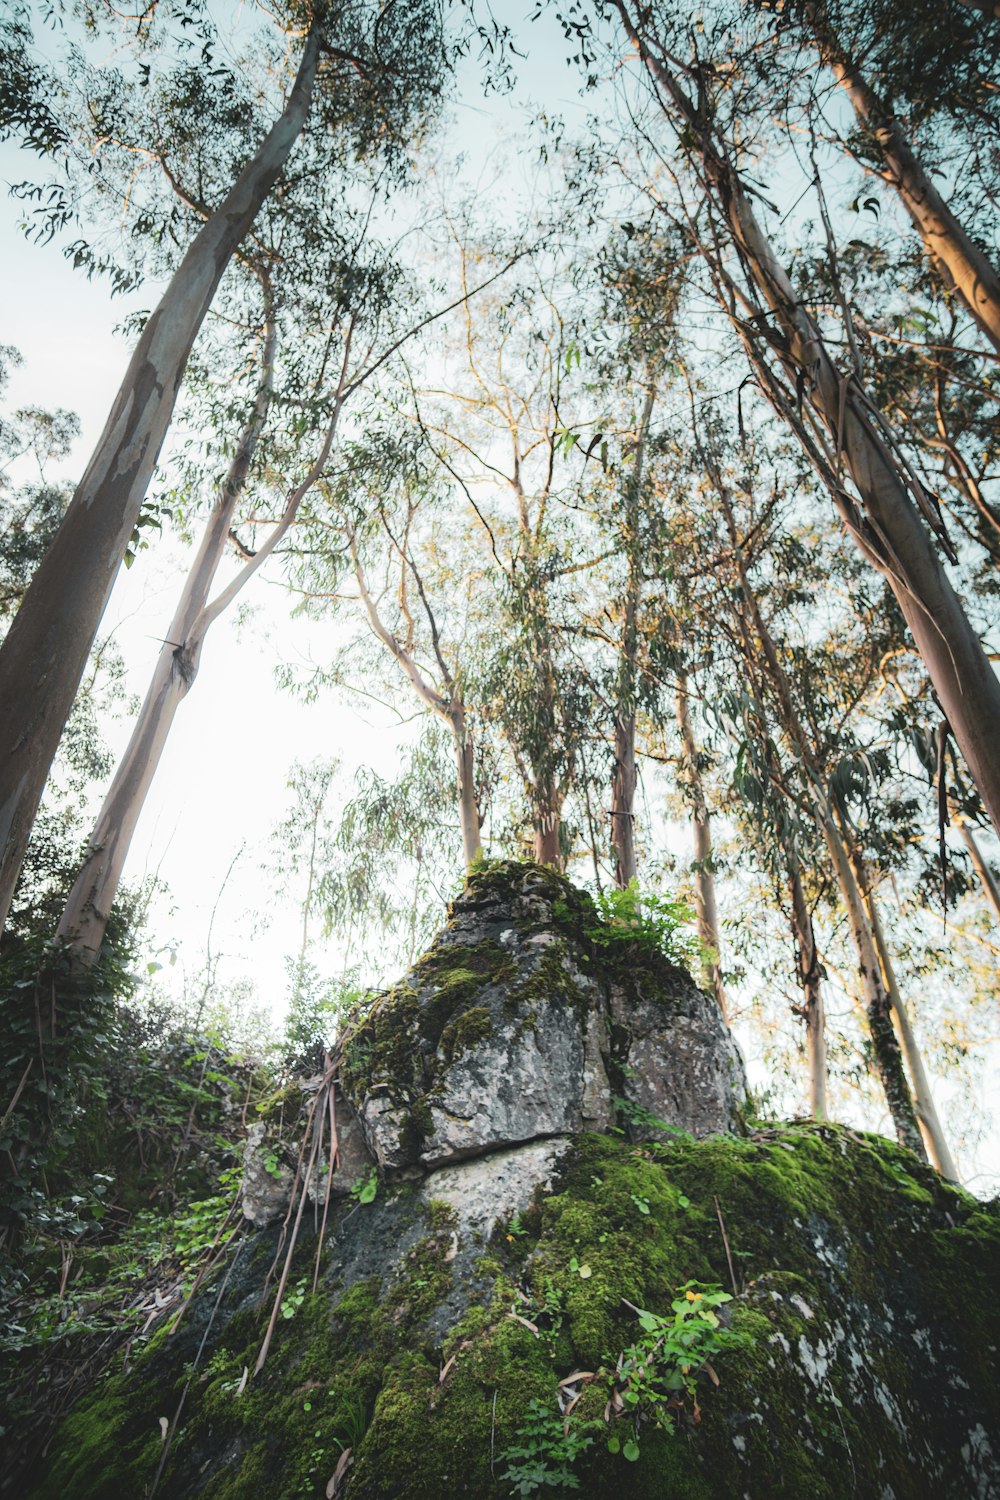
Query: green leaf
[[631, 1450]]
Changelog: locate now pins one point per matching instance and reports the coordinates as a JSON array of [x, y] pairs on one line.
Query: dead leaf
[[243, 1380], [164, 1428], [531, 1327], [452, 1250], [444, 1373], [337, 1477], [710, 1373], [578, 1375]]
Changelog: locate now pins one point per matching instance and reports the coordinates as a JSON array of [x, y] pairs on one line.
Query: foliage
[[544, 1453], [660, 924], [657, 1374]]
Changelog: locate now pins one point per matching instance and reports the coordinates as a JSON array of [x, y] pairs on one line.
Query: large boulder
[[580, 1271], [514, 1026]]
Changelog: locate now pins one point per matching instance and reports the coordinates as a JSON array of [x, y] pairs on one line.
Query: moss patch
[[864, 1294]]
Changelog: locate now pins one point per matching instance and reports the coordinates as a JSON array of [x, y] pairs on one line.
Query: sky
[[221, 789]]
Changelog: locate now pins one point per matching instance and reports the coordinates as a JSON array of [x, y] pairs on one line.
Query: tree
[[43, 657], [830, 412]]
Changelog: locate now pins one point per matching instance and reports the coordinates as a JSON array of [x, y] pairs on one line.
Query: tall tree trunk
[[704, 879], [959, 259], [468, 808], [886, 1054], [45, 652], [889, 530], [547, 823], [877, 1000], [624, 777], [623, 785], [811, 982], [88, 906], [927, 1115]]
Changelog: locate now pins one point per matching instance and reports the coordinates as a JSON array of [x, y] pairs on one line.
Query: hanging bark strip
[[958, 258], [44, 654], [850, 433]]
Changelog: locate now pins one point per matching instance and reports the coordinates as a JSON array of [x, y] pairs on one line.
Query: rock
[[491, 1190], [858, 1357], [568, 1118], [267, 1180], [270, 1158], [512, 1027]]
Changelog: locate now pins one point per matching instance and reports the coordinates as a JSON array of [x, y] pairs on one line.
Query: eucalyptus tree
[[387, 526], [294, 332], [877, 57], [505, 427], [884, 505], [378, 70], [805, 706]]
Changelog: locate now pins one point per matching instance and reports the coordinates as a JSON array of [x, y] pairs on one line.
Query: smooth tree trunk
[[889, 529], [706, 908], [927, 1116], [45, 652], [987, 879], [624, 779], [811, 981], [963, 265], [88, 906], [623, 784], [468, 807]]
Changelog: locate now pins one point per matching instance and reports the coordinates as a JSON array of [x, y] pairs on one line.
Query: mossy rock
[[860, 1361], [515, 1025]]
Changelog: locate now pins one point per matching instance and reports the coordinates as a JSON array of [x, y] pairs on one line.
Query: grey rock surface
[[514, 1028], [267, 1181]]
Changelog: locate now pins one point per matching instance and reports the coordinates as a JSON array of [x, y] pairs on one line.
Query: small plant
[[365, 1189], [293, 1300], [658, 1374], [661, 923], [544, 1452]]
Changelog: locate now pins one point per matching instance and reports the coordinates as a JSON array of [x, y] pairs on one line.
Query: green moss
[[466, 1031], [837, 1244]]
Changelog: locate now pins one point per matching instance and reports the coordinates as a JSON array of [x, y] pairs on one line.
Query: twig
[[725, 1241]]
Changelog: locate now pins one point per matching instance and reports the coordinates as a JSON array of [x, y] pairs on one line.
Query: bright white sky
[[221, 787]]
